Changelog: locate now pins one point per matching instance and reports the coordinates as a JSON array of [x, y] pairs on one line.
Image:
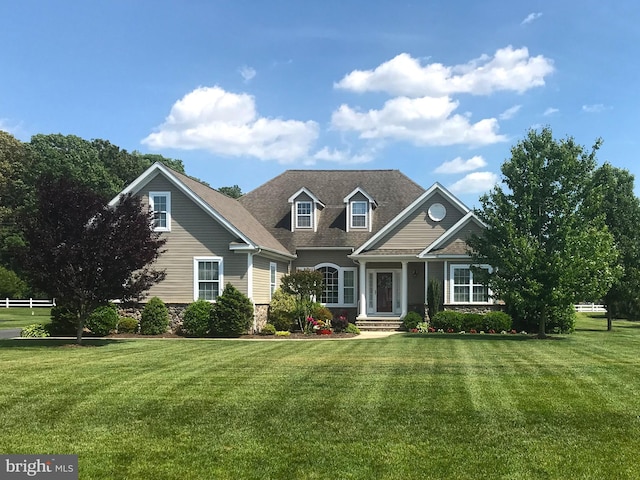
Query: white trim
[[304, 190], [167, 212], [435, 188], [310, 215], [372, 297], [196, 280], [360, 190], [341, 286], [366, 215], [273, 285], [471, 284], [250, 275]]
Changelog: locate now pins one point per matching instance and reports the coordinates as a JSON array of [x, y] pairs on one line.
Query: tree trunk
[[609, 320], [79, 330], [542, 333]]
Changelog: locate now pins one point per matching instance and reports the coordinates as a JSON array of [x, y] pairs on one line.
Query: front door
[[384, 292]]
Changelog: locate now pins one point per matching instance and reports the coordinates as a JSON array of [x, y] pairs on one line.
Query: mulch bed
[[293, 336]]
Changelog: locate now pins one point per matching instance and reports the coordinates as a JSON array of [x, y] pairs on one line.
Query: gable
[[418, 230]]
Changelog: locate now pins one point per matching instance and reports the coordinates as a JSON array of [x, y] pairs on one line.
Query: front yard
[[402, 407], [21, 317]]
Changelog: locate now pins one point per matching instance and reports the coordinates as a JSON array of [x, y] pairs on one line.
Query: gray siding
[[418, 230], [193, 234], [262, 278], [311, 258]]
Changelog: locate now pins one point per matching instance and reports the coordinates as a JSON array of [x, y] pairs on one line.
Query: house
[[377, 237]]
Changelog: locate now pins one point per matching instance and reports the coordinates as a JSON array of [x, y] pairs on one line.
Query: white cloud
[[509, 112], [476, 182], [595, 108], [422, 121], [459, 165], [531, 18], [342, 156], [247, 73], [550, 111], [225, 123], [509, 69]]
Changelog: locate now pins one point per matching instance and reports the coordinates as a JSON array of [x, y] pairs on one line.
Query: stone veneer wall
[[176, 313], [481, 309]]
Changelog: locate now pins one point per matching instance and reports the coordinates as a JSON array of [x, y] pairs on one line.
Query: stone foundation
[[481, 309], [260, 315]]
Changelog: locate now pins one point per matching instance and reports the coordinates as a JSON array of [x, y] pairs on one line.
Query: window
[[463, 287], [359, 211], [207, 278], [273, 275], [160, 205], [339, 285], [304, 214]]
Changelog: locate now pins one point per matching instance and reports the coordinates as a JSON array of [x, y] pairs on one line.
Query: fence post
[[7, 302]]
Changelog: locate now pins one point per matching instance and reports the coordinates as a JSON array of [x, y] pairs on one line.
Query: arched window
[[339, 285], [331, 290]]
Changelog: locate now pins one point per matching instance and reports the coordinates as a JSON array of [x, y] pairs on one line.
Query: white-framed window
[[273, 278], [207, 278], [304, 214], [160, 206], [339, 285], [359, 214], [464, 289]]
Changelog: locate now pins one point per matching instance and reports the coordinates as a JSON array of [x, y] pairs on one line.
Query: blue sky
[[243, 90]]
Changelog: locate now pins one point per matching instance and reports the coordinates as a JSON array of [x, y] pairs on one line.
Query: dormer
[[360, 206], [305, 207]]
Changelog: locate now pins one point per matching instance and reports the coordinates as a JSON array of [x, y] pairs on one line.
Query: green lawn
[[403, 407], [19, 317]]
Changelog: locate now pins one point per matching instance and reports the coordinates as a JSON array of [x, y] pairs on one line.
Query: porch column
[[404, 289], [362, 287], [426, 282]]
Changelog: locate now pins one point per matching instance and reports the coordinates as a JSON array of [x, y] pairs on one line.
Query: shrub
[[423, 327], [102, 320], [285, 333], [232, 313], [434, 298], [35, 330], [268, 329], [155, 318], [498, 321], [322, 313], [63, 322], [411, 320], [127, 325], [340, 322], [197, 318], [447, 320], [352, 328], [282, 310], [561, 320], [472, 321]]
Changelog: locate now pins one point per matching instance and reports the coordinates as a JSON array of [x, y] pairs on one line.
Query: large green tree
[[84, 252], [546, 251], [612, 195]]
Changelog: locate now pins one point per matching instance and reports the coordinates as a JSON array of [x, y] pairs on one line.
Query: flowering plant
[[317, 326]]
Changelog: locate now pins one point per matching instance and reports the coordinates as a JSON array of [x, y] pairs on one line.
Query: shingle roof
[[232, 211], [391, 190]]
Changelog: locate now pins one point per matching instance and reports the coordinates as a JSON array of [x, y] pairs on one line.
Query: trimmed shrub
[[562, 320], [268, 329], [282, 310], [197, 318], [434, 298], [423, 327], [285, 333], [498, 321], [447, 319], [232, 313], [63, 322], [352, 328], [155, 318], [127, 325], [102, 320], [35, 330], [411, 320], [472, 321]]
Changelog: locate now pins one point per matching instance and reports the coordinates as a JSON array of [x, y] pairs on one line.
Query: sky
[[244, 90]]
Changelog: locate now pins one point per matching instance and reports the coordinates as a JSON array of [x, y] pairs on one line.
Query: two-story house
[[377, 237]]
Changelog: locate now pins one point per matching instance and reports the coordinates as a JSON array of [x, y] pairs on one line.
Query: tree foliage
[[233, 192], [305, 286], [546, 250], [85, 253], [612, 195]]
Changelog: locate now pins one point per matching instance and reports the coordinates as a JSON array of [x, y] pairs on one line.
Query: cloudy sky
[[242, 90]]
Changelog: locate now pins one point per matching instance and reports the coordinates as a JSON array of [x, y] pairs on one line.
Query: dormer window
[[359, 214], [304, 215], [360, 207], [304, 210]]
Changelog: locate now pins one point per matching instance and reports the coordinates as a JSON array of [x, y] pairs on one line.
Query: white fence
[[30, 303], [590, 307]]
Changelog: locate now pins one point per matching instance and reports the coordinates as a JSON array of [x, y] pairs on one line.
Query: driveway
[[10, 333]]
